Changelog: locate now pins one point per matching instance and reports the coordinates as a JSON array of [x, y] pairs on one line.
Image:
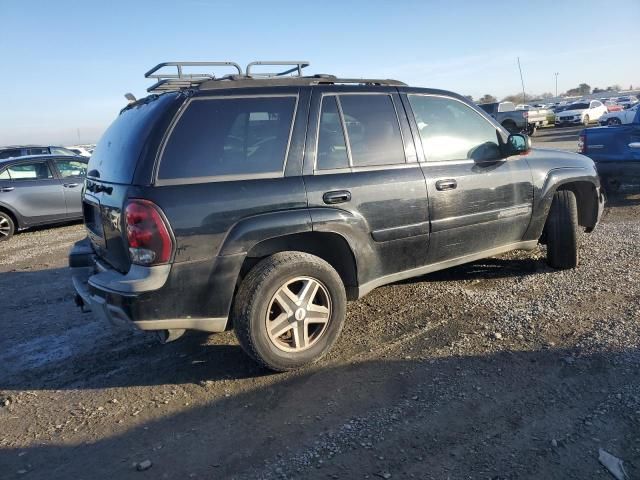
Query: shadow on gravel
[[486, 269], [491, 416]]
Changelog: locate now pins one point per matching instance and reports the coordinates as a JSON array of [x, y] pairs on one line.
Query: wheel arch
[[585, 185], [329, 246], [586, 200], [14, 216]]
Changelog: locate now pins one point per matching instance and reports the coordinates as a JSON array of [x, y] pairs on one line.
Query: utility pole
[[524, 95], [79, 142], [556, 74]]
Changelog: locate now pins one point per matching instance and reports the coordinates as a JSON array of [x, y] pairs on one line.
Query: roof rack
[[180, 79], [290, 76]]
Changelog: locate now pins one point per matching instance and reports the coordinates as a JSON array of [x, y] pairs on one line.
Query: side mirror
[[518, 143]]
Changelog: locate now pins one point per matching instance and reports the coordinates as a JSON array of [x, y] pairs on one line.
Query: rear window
[[116, 155], [228, 137]]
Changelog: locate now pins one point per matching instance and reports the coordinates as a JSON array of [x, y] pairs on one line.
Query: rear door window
[[220, 137], [71, 168], [332, 148], [373, 130], [29, 171]]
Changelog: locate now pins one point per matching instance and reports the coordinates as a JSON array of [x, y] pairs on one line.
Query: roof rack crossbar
[[297, 66], [181, 75]]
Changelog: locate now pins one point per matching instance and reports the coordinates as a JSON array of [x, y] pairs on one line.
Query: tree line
[[580, 90]]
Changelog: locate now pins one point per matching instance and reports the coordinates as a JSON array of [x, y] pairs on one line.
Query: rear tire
[[289, 310], [7, 227], [561, 231], [613, 121], [510, 126]]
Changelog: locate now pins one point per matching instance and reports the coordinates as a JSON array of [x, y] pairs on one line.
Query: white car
[[620, 117], [581, 113], [81, 150]]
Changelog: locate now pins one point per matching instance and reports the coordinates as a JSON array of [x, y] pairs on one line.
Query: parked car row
[[528, 118]]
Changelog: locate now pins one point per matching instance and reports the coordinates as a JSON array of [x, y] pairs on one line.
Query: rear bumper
[[135, 299]]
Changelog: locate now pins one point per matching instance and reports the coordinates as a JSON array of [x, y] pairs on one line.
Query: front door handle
[[337, 196], [634, 145], [448, 184], [70, 185], [7, 189]]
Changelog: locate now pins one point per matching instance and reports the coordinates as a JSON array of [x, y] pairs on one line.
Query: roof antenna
[[130, 97]]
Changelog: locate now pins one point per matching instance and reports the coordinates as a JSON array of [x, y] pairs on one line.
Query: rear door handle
[[70, 185], [337, 196], [448, 184], [7, 189], [634, 145]]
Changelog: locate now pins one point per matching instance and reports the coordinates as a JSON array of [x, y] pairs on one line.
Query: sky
[[66, 65]]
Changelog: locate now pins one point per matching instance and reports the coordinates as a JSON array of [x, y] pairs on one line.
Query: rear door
[[72, 172], [33, 191], [478, 200], [361, 173]]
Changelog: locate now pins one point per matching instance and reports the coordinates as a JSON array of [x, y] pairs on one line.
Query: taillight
[[525, 114], [150, 242], [582, 144]]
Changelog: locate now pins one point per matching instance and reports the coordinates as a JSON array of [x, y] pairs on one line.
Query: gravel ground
[[501, 369]]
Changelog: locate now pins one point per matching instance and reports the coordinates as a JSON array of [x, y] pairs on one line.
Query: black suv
[[264, 202]]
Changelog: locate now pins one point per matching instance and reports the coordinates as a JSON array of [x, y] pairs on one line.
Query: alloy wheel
[[298, 314], [5, 227]]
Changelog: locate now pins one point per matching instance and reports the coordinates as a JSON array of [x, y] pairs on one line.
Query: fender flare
[[544, 195], [20, 223], [250, 230]]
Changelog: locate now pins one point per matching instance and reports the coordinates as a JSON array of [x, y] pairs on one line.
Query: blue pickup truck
[[615, 151]]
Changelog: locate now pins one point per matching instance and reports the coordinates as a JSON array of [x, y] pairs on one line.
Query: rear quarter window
[[227, 137]]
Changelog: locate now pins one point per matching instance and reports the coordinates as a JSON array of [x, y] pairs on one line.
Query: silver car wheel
[[5, 227], [298, 314]]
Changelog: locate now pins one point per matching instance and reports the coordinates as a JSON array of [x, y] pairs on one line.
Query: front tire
[[7, 227], [613, 121], [289, 310], [561, 231]]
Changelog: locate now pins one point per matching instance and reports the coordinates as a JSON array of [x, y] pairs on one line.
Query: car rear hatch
[[119, 169]]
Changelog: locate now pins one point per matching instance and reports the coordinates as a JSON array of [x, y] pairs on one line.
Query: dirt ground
[[502, 369]]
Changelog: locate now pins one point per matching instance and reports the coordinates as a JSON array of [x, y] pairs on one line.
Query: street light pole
[[556, 74]]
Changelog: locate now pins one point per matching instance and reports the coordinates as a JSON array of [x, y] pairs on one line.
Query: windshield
[[578, 106]]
